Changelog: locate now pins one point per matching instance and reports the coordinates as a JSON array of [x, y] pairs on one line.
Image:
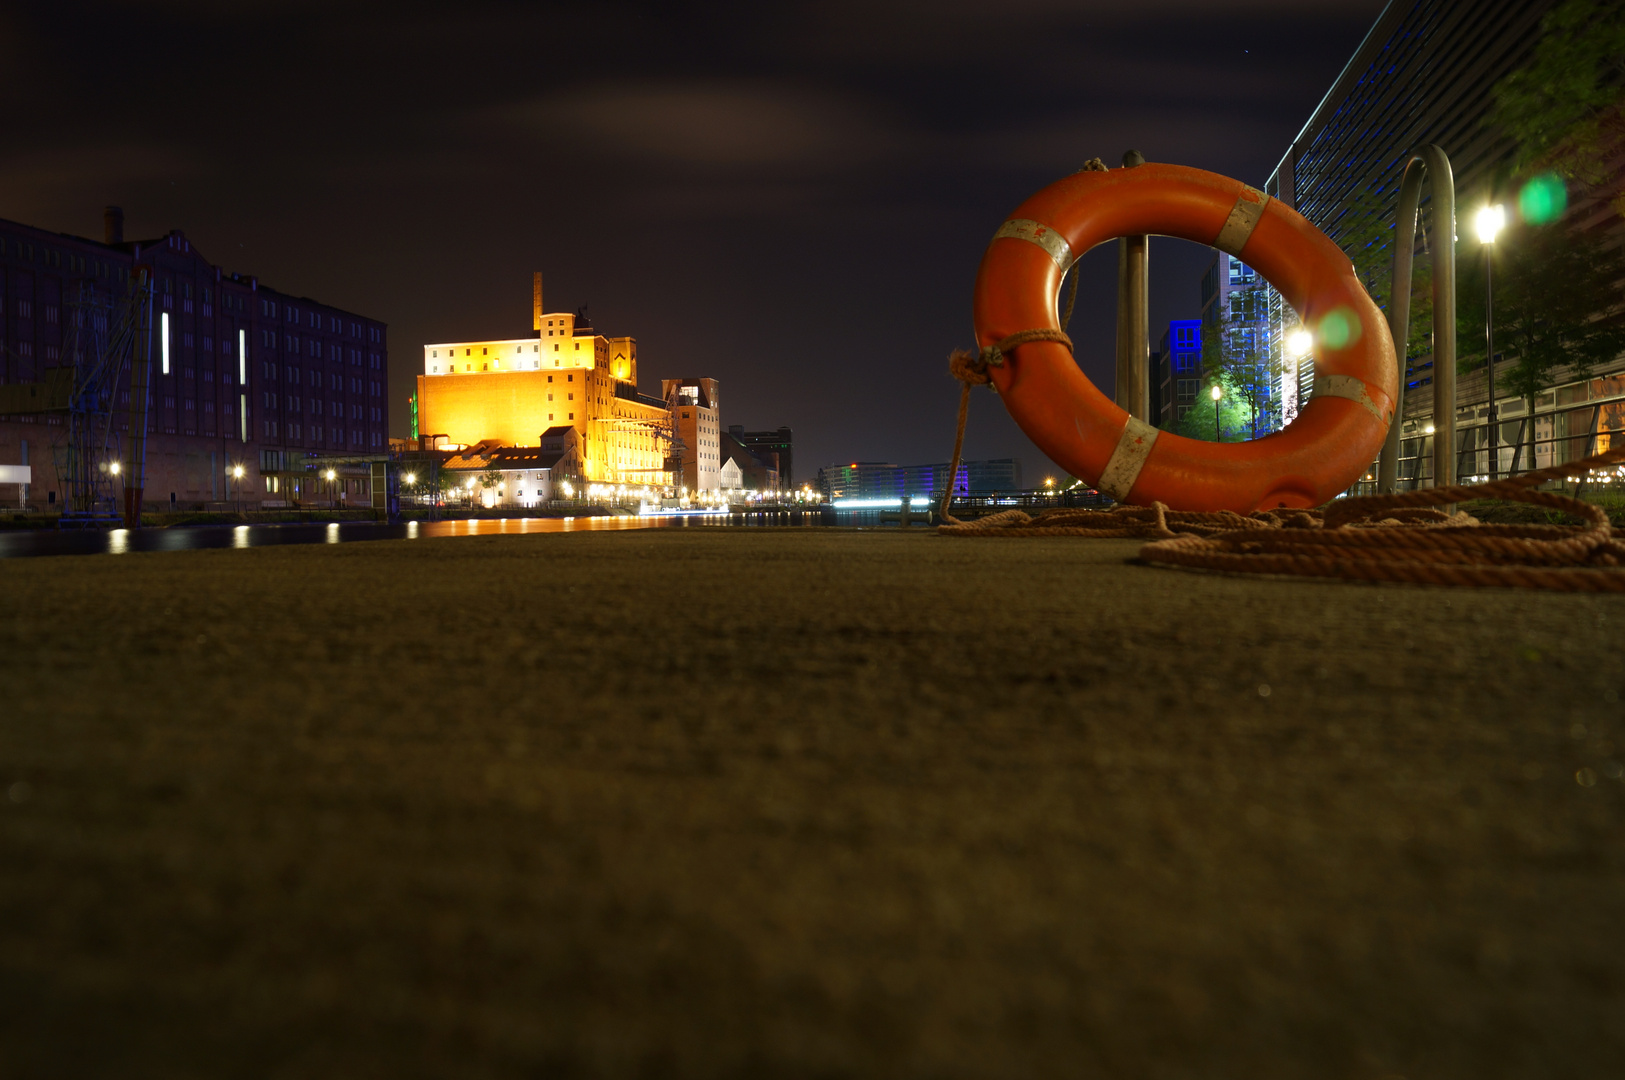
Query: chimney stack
[[113, 225], [536, 300]]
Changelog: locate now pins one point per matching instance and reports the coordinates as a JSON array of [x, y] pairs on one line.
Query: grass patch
[[1496, 512]]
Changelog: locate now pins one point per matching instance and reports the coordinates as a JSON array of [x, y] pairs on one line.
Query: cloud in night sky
[[790, 197]]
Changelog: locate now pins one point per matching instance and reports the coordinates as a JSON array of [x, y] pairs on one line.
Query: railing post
[[1133, 319], [1433, 162]]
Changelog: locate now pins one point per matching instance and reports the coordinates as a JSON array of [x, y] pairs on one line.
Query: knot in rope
[[970, 368]]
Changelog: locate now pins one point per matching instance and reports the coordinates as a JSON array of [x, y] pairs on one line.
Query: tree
[[1557, 309], [1236, 355], [1234, 416], [1566, 107], [491, 477], [1367, 238]]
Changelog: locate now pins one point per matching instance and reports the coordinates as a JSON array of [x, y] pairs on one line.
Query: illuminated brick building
[[510, 391], [696, 414]]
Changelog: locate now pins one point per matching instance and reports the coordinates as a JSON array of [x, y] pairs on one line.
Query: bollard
[[1433, 162], [1133, 318]]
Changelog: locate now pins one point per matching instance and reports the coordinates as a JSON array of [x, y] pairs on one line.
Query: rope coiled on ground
[[1383, 538]]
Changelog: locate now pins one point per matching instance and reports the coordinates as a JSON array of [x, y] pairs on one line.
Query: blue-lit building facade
[[1424, 74], [880, 480], [1179, 370]]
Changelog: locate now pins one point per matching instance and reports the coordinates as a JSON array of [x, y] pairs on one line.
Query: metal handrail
[[1435, 164]]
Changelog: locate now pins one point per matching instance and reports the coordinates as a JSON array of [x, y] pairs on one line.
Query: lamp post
[[1489, 221], [1216, 393], [332, 492], [237, 486]]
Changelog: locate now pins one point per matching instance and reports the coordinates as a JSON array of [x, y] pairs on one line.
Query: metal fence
[[1570, 423]]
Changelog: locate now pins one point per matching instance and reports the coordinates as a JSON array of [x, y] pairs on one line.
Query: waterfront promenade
[[760, 802]]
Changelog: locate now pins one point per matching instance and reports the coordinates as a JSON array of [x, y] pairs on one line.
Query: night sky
[[790, 197]]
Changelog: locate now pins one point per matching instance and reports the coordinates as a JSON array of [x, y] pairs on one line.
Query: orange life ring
[[1335, 436]]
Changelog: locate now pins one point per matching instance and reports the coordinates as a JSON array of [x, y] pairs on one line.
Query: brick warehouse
[[255, 377]]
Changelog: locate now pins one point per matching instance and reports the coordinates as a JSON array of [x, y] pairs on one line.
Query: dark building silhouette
[[757, 472], [254, 377], [770, 447]]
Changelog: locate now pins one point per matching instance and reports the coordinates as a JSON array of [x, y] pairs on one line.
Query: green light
[[1339, 329], [1543, 199]]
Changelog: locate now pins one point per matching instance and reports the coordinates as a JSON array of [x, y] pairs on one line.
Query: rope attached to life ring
[[970, 368]]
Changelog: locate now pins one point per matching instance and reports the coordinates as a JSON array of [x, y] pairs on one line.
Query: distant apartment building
[[1424, 74], [1179, 370], [696, 416], [881, 480], [508, 392], [242, 375]]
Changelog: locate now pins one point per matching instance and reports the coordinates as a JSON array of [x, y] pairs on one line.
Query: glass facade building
[[1423, 74]]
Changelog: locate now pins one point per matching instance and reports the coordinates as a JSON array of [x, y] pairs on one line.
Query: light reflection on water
[[124, 541]]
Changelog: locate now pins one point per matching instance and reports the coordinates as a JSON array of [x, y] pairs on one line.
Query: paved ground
[[777, 803]]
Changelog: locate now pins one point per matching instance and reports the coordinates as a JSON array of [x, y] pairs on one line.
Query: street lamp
[[1489, 221], [1216, 393], [237, 475]]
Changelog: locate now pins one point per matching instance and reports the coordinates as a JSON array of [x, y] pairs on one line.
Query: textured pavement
[[799, 803]]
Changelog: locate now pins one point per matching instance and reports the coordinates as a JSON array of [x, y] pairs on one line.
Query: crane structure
[[101, 340], [103, 335]]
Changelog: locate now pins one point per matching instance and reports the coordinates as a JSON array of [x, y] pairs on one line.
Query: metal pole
[[135, 467], [1433, 162], [1133, 318], [1489, 363]]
